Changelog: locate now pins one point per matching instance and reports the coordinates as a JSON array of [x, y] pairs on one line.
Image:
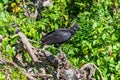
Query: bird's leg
[[45, 47], [61, 49]]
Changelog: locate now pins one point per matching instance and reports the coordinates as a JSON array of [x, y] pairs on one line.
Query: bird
[[60, 36]]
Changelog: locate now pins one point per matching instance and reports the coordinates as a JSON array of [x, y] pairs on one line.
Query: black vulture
[[60, 36]]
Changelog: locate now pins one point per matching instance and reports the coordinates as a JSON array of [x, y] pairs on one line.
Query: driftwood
[[48, 65]]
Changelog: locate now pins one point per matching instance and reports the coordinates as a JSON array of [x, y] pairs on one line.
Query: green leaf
[[2, 16], [1, 6], [2, 76], [114, 37], [71, 52], [98, 62], [95, 25], [5, 1], [112, 77]]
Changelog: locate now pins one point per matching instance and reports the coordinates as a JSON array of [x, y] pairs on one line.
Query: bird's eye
[[76, 27]]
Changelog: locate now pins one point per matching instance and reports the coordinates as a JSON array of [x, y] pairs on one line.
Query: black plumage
[[60, 36]]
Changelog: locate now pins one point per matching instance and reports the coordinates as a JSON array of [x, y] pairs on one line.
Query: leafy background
[[98, 41]]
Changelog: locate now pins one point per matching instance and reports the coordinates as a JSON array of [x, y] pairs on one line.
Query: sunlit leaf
[[114, 37], [5, 1]]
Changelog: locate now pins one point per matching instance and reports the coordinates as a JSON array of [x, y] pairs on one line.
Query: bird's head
[[75, 26]]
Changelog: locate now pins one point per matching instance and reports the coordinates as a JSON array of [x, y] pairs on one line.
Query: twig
[[102, 78], [7, 75], [33, 41], [16, 66], [28, 75], [8, 62], [37, 5], [42, 75]]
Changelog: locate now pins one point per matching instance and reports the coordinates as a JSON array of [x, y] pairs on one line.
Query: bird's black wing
[[63, 35], [57, 36], [48, 34]]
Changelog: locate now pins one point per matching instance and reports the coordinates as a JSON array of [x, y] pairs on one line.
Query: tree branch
[[26, 42]]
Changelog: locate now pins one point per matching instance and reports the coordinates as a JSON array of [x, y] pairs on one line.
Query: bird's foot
[[45, 47], [61, 50]]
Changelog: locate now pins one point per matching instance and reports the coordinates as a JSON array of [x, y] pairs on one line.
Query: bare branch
[[8, 62], [102, 78], [47, 3], [28, 75], [37, 5], [27, 44]]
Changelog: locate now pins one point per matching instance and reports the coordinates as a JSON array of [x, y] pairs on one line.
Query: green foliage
[[2, 76], [98, 41], [13, 72], [18, 76]]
